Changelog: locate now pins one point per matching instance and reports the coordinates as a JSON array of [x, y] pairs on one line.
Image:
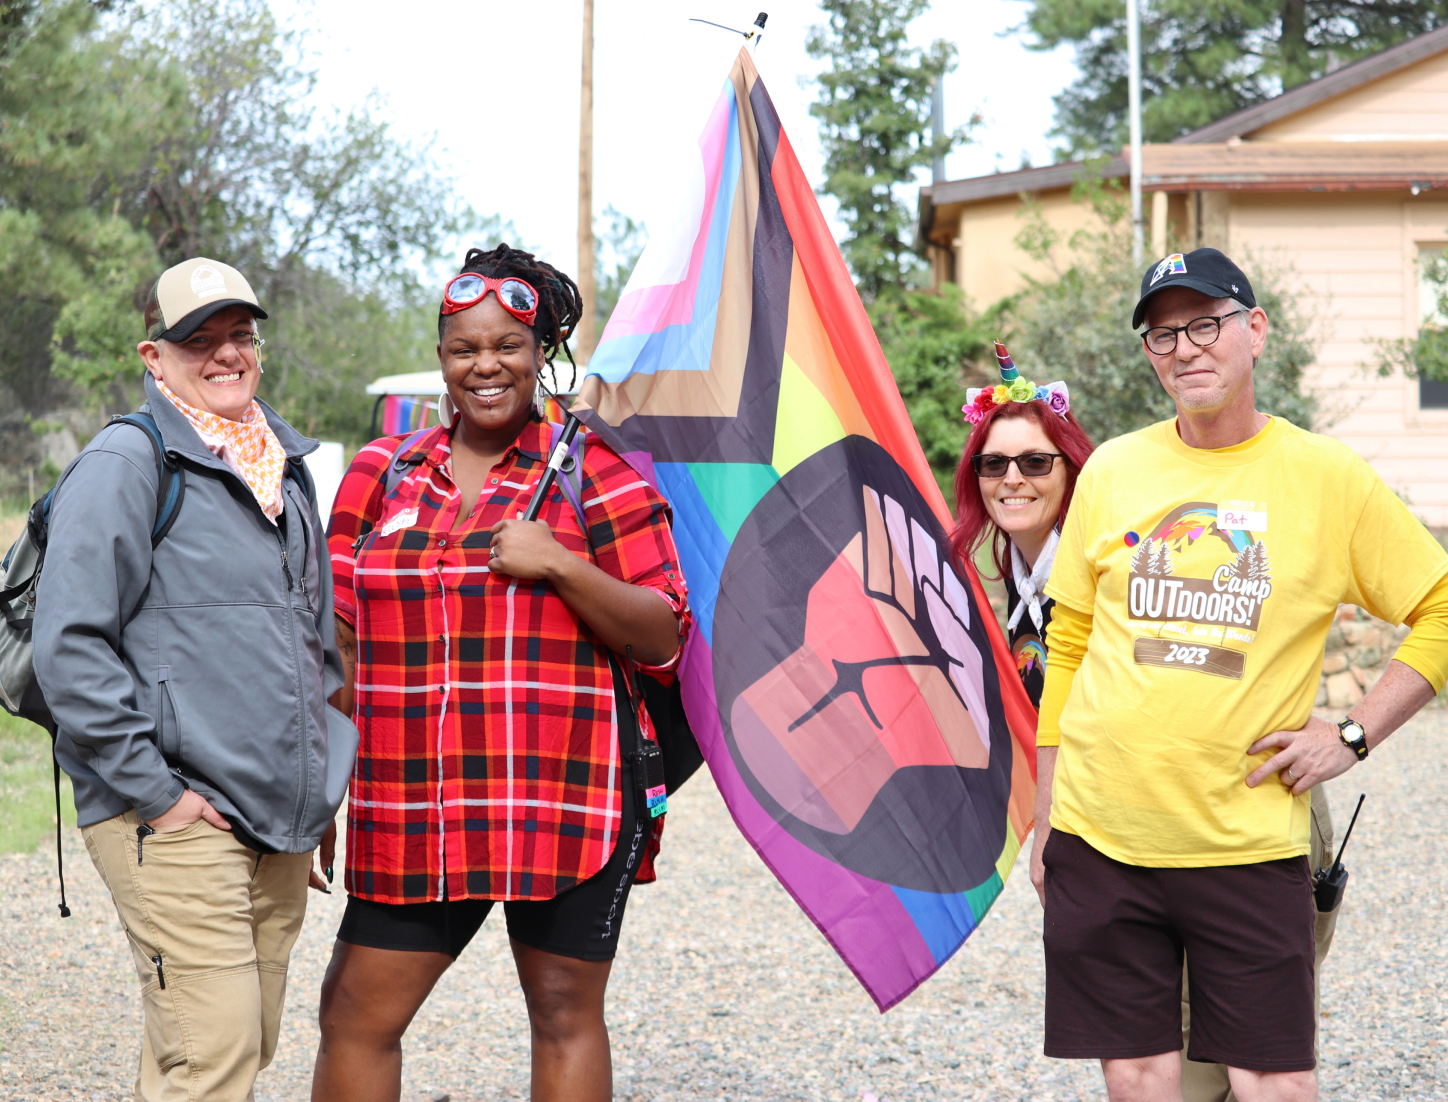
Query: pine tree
[[1141, 558], [1261, 569], [1243, 564], [1161, 563], [874, 112], [128, 144]]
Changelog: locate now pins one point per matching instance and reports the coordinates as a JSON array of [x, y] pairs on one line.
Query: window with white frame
[[1432, 298]]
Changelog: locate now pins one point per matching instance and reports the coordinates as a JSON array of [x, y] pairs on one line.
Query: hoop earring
[[445, 410]]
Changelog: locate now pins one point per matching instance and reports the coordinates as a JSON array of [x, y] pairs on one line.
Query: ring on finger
[[1293, 775]]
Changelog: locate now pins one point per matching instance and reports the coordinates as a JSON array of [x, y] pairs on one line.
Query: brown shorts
[[1114, 937]]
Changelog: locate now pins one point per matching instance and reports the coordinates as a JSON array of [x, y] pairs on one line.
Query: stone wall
[[1358, 649]]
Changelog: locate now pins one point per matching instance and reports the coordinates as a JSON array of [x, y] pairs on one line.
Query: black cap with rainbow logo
[[1206, 270]]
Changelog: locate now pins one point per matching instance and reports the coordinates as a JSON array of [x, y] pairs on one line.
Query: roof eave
[[1323, 88], [1292, 183], [1024, 181]]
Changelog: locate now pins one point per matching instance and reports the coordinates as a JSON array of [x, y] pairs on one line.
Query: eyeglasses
[[469, 289], [1202, 332], [200, 346], [1030, 464]]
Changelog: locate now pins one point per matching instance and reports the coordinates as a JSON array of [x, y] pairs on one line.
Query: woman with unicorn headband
[[1012, 489]]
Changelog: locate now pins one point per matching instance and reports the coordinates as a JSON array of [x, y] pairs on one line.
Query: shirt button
[[442, 688], [495, 482], [443, 543]]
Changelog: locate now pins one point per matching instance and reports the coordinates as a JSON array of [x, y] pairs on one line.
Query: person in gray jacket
[[189, 682]]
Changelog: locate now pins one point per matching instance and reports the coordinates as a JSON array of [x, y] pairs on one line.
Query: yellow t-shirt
[[1212, 578]]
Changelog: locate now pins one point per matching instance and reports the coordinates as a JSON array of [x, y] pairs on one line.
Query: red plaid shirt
[[489, 754]]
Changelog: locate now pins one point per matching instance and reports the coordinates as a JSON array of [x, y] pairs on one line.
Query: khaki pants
[[222, 921], [1208, 1082]]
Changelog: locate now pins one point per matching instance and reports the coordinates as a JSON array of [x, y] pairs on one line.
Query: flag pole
[[585, 336], [571, 425], [1133, 97]]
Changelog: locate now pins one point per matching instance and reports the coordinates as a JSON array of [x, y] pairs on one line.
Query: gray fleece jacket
[[205, 663]]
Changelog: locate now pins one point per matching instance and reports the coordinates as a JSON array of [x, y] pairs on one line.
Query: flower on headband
[[983, 400], [979, 406]]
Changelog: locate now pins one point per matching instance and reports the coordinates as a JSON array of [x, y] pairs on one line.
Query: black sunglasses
[[1030, 464]]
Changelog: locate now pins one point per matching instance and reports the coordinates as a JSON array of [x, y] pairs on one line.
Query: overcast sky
[[496, 86]]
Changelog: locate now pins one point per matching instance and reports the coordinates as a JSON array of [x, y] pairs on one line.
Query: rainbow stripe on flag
[[403, 413], [851, 690]]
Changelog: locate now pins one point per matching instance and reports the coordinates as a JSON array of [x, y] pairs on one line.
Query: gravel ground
[[724, 990]]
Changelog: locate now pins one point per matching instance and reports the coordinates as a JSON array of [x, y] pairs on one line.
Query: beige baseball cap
[[188, 294]]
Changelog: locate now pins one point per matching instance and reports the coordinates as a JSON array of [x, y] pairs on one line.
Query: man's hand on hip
[[326, 852], [186, 811], [1305, 757]]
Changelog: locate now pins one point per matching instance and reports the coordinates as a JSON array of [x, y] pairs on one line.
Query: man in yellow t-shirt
[[1197, 576]]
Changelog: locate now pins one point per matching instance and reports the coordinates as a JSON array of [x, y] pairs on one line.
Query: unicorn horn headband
[[1012, 388]]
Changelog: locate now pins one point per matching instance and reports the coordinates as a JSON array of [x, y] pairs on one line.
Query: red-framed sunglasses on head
[[514, 295]]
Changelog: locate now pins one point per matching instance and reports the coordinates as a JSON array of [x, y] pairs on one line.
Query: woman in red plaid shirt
[[496, 732]]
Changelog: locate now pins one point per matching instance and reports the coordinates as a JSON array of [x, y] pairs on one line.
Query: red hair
[[973, 525]]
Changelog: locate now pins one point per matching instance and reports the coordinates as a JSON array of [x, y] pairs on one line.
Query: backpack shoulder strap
[[396, 471], [398, 468], [171, 486]]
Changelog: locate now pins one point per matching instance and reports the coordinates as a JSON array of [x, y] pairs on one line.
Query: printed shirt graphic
[[486, 709], [1212, 578], [1028, 646]]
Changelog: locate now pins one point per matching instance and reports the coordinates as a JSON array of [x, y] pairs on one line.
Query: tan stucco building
[[1345, 179]]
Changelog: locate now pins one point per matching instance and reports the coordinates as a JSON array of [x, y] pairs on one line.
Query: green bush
[[1078, 328]]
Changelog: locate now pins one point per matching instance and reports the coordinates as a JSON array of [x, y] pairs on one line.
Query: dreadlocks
[[560, 304]]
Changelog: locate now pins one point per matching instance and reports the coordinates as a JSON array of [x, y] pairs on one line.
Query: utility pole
[[584, 336], [937, 129], [1133, 49]]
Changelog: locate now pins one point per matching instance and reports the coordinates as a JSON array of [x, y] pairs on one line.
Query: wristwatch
[[1353, 737]]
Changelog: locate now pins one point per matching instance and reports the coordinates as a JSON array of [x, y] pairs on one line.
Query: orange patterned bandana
[[248, 447]]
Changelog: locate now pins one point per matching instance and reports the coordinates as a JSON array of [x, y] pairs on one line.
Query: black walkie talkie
[[1327, 884]]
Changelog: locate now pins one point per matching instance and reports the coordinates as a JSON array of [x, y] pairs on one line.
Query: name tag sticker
[[405, 519], [1241, 520]]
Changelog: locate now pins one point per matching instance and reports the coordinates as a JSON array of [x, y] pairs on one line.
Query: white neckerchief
[[1031, 584]]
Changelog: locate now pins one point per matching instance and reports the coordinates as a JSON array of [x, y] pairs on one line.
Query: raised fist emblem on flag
[[867, 710]]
